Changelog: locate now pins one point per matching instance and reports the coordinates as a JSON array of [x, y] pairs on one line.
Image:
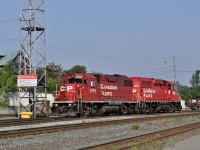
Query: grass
[[135, 126]]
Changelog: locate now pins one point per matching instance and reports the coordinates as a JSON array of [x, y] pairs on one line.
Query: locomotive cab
[[72, 90], [73, 86]]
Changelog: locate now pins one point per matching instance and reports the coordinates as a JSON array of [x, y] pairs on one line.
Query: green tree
[[52, 82], [195, 83], [53, 74], [184, 92], [53, 70], [8, 81], [76, 69]]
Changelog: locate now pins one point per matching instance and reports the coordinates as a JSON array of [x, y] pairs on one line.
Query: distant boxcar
[[194, 104]]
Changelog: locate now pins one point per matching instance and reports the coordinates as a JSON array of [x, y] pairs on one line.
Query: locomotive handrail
[[56, 94], [139, 99], [80, 99]]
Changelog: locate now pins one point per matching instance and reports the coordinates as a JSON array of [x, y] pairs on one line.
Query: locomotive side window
[[157, 84], [169, 86], [98, 77], [79, 81], [85, 82], [92, 83], [164, 83], [128, 83]]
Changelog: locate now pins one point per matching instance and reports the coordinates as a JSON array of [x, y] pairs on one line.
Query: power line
[[141, 70], [155, 73], [9, 20], [185, 71], [14, 39], [103, 56]]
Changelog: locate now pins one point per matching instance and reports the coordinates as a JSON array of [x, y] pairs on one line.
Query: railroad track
[[7, 115], [64, 127], [19, 122], [138, 140]]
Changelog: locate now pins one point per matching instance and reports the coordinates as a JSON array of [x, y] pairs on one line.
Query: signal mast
[[32, 79]]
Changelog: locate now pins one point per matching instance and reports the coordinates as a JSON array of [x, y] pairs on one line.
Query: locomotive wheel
[[148, 109], [130, 110], [94, 109], [86, 111], [171, 110], [123, 110], [55, 111], [63, 108], [136, 110]]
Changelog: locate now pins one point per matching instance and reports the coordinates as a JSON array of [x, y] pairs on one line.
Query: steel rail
[[18, 122], [65, 127], [7, 115], [138, 140]]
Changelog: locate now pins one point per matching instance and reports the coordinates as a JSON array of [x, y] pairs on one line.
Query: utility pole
[[32, 61], [174, 62]]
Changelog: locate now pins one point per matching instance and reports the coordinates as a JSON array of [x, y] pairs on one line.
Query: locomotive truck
[[89, 94]]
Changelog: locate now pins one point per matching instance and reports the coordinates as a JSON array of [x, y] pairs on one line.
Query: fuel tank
[[106, 110], [163, 107]]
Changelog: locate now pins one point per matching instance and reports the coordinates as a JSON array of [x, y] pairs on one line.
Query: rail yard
[[128, 100]]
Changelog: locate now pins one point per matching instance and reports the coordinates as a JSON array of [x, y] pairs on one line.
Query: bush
[[135, 126]]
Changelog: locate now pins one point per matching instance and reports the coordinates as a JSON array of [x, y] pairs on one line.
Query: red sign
[[28, 80]]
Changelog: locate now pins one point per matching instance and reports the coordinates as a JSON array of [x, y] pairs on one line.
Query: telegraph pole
[[174, 62], [32, 61]]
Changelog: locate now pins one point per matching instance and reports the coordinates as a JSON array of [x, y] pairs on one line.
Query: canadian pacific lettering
[[107, 93], [109, 87]]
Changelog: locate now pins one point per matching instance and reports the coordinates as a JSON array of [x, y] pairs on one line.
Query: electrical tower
[[32, 56]]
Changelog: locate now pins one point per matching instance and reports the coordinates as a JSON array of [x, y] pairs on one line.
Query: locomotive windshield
[[73, 81], [78, 81]]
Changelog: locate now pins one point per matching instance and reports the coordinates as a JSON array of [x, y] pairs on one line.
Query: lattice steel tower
[[33, 55]]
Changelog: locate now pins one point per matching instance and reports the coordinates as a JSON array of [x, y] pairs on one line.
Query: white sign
[[28, 80]]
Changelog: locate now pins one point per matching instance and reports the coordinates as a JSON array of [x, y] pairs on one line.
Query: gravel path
[[71, 140]]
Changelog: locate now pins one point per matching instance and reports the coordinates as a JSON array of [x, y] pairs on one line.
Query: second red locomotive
[[98, 94]]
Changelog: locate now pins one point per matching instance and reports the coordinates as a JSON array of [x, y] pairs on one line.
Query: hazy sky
[[129, 37]]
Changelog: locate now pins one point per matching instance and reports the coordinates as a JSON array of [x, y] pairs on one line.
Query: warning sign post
[[28, 80]]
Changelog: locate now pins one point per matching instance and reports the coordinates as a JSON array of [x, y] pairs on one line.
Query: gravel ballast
[[77, 139]]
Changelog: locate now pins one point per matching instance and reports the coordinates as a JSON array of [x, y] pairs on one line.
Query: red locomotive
[[98, 94]]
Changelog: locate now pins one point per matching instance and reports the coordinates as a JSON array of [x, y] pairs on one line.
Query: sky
[[128, 37]]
